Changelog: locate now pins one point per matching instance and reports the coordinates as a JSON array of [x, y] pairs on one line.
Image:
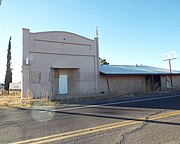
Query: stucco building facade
[[59, 63]]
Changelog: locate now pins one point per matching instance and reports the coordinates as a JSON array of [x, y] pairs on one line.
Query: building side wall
[[175, 81], [122, 84]]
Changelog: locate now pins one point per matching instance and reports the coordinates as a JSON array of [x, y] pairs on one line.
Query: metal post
[[170, 73], [168, 57]]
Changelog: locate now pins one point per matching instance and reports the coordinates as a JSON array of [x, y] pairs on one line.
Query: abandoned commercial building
[[129, 79], [62, 64]]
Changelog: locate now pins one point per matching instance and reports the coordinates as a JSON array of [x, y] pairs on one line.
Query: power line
[[104, 6], [103, 15], [8, 25], [127, 11]]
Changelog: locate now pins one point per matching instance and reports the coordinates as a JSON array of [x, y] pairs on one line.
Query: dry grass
[[14, 100]]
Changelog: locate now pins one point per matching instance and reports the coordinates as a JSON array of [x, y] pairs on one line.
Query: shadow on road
[[113, 117], [123, 111]]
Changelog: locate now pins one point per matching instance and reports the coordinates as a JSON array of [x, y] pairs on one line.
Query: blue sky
[[130, 31]]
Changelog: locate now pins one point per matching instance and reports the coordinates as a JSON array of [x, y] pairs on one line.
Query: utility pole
[[0, 2], [168, 57]]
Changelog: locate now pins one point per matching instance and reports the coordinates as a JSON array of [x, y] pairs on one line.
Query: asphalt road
[[145, 120]]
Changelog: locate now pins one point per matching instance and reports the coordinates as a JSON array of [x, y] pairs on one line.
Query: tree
[[8, 76], [103, 61]]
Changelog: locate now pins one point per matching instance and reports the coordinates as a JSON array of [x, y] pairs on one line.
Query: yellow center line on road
[[69, 133], [86, 131], [160, 116]]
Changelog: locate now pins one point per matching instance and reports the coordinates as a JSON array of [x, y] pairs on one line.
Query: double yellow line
[[86, 131]]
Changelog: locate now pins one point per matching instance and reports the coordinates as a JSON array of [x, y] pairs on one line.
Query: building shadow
[[111, 117]]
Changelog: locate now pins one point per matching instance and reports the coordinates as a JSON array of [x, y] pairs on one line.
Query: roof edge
[[59, 32]]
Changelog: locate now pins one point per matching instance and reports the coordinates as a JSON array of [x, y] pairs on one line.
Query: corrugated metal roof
[[133, 69]]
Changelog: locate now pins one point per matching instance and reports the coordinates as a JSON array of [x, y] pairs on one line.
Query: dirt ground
[[14, 100]]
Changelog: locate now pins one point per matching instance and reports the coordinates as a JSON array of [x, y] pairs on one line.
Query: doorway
[[63, 84], [153, 83]]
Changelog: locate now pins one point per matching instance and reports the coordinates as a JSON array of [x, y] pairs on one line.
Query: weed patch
[[15, 101]]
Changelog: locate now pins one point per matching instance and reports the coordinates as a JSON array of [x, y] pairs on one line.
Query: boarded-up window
[[45, 78], [35, 77]]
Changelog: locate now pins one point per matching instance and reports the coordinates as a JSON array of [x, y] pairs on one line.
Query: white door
[[63, 84]]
